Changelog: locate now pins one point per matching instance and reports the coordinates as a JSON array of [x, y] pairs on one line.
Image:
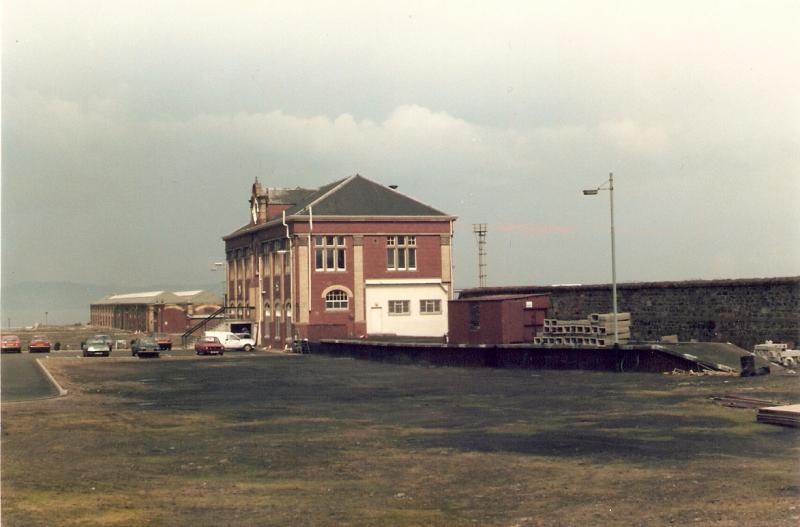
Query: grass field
[[310, 440]]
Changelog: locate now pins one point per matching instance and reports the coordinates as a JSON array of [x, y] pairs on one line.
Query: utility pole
[[480, 234], [593, 192]]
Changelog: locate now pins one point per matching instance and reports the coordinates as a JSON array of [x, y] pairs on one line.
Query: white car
[[231, 341]]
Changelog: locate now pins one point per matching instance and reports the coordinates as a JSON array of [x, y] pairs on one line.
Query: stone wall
[[745, 311]]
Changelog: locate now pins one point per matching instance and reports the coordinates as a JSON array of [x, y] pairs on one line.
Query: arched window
[[277, 309], [336, 300], [267, 311], [288, 310]]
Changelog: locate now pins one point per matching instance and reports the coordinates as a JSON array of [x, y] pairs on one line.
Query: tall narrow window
[[329, 253], [474, 316], [401, 253]]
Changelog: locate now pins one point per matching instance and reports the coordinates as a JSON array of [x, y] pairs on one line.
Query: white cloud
[[495, 114]]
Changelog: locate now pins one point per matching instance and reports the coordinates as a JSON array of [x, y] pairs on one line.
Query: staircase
[[212, 321]]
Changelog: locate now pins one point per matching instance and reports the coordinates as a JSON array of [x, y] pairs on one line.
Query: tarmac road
[[22, 380]]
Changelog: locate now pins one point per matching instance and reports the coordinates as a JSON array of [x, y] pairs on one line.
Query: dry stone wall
[[745, 311]]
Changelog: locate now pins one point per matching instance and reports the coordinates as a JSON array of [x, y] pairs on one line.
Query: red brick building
[[153, 311], [349, 259]]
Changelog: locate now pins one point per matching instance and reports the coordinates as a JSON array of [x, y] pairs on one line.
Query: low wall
[[629, 359], [744, 312]]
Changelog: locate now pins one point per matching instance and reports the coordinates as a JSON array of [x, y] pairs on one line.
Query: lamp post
[[222, 266], [593, 192]]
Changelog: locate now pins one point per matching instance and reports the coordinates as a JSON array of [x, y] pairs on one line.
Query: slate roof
[[359, 196], [354, 196]]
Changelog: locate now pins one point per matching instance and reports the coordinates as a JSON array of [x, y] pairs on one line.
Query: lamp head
[[590, 192]]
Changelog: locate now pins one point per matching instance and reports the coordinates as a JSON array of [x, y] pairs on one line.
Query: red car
[[10, 344], [164, 341], [39, 344], [209, 346]]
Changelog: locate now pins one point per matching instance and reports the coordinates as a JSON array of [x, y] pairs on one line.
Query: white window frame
[[401, 247], [337, 300], [430, 306], [330, 253], [399, 308]]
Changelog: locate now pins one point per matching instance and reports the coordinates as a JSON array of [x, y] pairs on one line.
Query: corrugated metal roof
[[495, 298], [126, 296], [188, 293], [161, 297]]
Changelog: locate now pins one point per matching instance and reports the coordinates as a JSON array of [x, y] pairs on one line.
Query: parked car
[[10, 344], [231, 341], [144, 347], [94, 347], [164, 341], [107, 340], [209, 346], [39, 344]]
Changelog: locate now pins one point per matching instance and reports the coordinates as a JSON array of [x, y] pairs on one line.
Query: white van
[[232, 341]]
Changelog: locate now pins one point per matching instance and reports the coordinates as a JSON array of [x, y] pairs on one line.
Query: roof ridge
[[341, 184]]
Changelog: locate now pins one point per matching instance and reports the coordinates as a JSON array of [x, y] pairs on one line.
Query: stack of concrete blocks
[[595, 332]]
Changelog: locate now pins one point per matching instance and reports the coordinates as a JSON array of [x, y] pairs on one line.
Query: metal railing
[[223, 313]]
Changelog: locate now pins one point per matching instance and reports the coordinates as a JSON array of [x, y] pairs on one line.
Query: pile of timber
[[597, 331], [788, 415], [737, 401]]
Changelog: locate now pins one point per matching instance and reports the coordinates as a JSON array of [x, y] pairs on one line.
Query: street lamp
[[594, 192], [222, 266]]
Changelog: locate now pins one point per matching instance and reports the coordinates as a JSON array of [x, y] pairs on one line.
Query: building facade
[[153, 311], [349, 259]]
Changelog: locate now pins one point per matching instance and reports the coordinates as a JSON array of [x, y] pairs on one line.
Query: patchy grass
[[320, 441]]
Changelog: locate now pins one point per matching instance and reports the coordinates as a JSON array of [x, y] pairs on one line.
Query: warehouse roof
[[161, 297]]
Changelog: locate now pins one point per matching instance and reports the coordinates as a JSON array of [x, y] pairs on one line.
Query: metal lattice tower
[[480, 234]]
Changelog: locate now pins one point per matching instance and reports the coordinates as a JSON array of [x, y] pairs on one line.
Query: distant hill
[[25, 303]]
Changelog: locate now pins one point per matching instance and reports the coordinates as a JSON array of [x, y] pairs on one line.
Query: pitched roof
[[153, 297], [359, 196], [353, 196]]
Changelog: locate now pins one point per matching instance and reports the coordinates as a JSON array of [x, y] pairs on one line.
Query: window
[[399, 307], [430, 307], [267, 312], [474, 316], [277, 309], [401, 253], [329, 253], [288, 310], [336, 299]]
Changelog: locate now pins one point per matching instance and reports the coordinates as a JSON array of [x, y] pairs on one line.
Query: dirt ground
[[310, 440]]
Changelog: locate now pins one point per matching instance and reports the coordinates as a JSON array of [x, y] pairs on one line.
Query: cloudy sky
[[131, 131]]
